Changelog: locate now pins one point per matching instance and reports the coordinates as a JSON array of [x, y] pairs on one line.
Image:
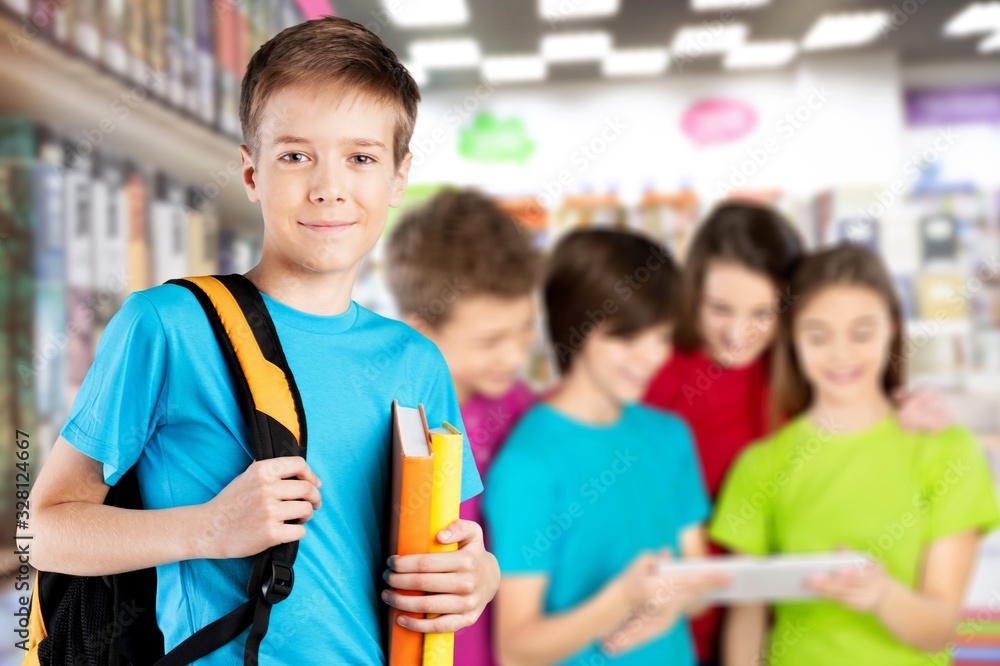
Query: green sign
[[489, 139]]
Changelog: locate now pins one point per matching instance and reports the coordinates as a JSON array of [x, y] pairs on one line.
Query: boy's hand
[[462, 582], [923, 409], [250, 514], [660, 599]]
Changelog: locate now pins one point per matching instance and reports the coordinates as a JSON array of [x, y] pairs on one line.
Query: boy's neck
[[583, 399], [322, 294]]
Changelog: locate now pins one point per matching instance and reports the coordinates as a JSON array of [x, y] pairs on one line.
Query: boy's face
[[622, 366], [486, 341], [324, 176]]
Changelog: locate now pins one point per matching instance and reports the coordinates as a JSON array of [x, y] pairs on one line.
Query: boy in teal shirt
[[327, 114], [593, 491]]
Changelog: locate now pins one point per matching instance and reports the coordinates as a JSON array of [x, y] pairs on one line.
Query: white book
[[168, 227], [79, 239]]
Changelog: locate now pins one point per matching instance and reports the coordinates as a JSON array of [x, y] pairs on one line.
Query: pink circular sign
[[719, 120]]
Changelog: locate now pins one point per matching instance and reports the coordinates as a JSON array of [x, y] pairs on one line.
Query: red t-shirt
[[727, 410]]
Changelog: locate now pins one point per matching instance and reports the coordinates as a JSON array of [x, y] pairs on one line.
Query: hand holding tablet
[[767, 579]]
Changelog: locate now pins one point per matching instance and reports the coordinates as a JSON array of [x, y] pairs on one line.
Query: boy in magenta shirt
[[462, 272]]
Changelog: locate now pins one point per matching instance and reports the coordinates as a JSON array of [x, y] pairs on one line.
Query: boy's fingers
[[432, 563], [294, 489], [427, 603], [294, 510], [438, 625], [451, 583], [461, 531], [285, 467], [288, 532]]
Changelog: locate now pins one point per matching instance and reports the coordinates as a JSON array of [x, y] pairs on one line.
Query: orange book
[[410, 516]]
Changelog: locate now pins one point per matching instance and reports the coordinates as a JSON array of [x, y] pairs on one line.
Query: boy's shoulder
[[174, 303], [537, 429], [397, 337]]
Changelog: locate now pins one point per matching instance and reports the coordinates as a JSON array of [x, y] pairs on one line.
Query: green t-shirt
[[881, 491]]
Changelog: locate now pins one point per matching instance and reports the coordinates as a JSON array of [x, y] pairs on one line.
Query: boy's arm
[[680, 595], [74, 533], [526, 636], [743, 635]]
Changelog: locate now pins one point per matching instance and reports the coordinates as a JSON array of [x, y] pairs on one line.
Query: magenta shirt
[[487, 423]]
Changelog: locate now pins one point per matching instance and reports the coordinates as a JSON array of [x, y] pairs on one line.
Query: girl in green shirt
[[842, 474]]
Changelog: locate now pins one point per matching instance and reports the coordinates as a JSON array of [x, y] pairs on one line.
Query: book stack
[[426, 488], [978, 642], [188, 54], [77, 238], [17, 277]]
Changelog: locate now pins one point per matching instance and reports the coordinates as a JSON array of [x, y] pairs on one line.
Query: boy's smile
[[324, 176]]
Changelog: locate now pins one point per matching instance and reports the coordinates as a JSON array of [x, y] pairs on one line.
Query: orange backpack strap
[[272, 408]]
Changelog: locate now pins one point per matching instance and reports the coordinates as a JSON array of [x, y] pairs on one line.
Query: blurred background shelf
[[84, 101]]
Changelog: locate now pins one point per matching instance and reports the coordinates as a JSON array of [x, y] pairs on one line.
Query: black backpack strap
[[272, 408]]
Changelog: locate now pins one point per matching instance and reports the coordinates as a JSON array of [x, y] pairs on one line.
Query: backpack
[[111, 620]]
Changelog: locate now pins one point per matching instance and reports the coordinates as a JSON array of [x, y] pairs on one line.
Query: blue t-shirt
[[159, 395], [578, 502]]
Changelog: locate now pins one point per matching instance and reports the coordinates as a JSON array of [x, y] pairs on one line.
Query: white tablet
[[766, 579]]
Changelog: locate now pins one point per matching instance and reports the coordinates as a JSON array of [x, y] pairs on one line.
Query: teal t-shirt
[[159, 395], [578, 502], [882, 491]]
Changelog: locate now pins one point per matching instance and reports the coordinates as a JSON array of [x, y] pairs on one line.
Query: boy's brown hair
[[325, 50], [460, 243], [755, 236], [596, 277], [850, 265]]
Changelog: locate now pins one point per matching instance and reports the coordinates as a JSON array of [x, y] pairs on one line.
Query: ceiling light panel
[[569, 10], [514, 68], [576, 47], [635, 62], [833, 31], [761, 55], [445, 53], [708, 39], [427, 13]]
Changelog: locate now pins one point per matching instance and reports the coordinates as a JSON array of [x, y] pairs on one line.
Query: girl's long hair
[[753, 235], [849, 265]]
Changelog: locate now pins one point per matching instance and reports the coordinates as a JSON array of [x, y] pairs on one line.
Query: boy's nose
[[327, 186]]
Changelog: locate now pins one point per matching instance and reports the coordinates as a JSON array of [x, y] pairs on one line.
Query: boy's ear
[[399, 180], [249, 173]]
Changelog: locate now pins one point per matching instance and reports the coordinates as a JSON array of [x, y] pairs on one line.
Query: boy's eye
[[293, 158], [363, 159]]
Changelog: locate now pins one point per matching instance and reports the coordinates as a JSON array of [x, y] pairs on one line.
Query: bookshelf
[[86, 104]]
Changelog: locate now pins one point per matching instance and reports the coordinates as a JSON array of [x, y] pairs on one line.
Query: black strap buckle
[[278, 584]]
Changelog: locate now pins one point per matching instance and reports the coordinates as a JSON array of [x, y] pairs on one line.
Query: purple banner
[[951, 106]]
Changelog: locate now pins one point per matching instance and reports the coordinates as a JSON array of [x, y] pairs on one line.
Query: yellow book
[[446, 446]]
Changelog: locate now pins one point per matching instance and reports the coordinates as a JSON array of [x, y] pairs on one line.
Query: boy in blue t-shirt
[[592, 491], [327, 114]]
